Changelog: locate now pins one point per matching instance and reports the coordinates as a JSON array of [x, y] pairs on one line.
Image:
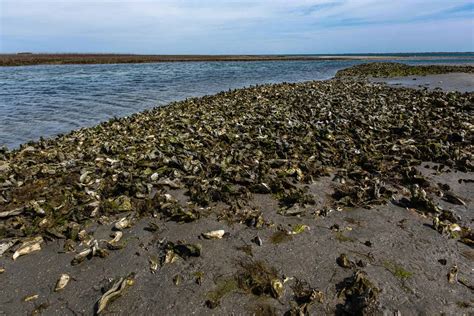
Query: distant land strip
[[23, 59]]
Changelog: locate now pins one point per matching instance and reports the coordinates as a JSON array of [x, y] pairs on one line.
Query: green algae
[[258, 278], [224, 287], [397, 270], [342, 238], [280, 236]]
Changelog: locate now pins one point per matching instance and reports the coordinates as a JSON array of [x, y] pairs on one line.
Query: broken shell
[[93, 251], [170, 257], [29, 246], [257, 240], [7, 245], [169, 198], [62, 282], [37, 208], [116, 237], [2, 270], [123, 223], [30, 298], [317, 296], [153, 264], [344, 262], [84, 178], [115, 291], [358, 288], [82, 235], [177, 279], [81, 256], [170, 183], [298, 229], [454, 228], [199, 277], [453, 274], [215, 234], [453, 198], [277, 288], [13, 212]]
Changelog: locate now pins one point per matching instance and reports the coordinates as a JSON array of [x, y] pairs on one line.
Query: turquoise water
[[47, 100]]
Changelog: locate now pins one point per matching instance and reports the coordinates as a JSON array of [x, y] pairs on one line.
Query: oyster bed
[[387, 70], [271, 164]]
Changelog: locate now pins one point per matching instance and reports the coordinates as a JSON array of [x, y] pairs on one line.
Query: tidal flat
[[335, 197]]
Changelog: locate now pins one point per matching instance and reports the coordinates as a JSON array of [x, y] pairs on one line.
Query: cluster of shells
[[221, 149], [389, 69]]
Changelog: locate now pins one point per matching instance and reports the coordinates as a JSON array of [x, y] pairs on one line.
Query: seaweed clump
[[254, 277], [304, 296], [258, 278], [359, 293]]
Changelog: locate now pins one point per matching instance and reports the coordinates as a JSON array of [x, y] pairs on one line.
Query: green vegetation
[[224, 286], [397, 270], [340, 236]]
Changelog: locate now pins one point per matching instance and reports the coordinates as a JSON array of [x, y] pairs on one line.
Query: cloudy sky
[[236, 26]]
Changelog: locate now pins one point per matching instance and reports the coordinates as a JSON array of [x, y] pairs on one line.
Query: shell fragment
[[28, 246], [122, 223], [62, 282], [216, 234], [115, 291], [6, 245]]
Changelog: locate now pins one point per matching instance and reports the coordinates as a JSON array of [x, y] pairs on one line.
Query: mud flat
[[334, 197], [463, 82], [444, 77]]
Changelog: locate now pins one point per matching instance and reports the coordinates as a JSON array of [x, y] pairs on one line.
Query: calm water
[[48, 100]]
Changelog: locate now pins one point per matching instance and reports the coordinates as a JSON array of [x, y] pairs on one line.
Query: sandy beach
[[332, 197]]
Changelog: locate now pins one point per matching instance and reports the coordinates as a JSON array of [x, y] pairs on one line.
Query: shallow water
[[47, 100]]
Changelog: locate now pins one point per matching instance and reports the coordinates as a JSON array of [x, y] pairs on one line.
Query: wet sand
[[384, 241], [447, 82]]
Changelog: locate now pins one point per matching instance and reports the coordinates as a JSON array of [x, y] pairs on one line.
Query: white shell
[[122, 223], [215, 234], [28, 247], [62, 282]]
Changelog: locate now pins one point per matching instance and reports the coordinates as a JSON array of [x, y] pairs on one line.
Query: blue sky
[[237, 26]]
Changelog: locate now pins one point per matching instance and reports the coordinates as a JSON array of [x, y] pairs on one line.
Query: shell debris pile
[[269, 139]]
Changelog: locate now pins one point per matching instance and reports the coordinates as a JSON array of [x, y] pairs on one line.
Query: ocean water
[[47, 100]]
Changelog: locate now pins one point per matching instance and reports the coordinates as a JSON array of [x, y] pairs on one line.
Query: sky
[[236, 26]]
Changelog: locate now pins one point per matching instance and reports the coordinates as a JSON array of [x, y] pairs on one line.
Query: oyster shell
[[117, 289], [62, 282], [215, 234], [28, 246]]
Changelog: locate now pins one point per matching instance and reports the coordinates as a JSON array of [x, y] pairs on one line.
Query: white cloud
[[205, 26]]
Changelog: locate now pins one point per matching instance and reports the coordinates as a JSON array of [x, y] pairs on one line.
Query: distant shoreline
[[25, 59]]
